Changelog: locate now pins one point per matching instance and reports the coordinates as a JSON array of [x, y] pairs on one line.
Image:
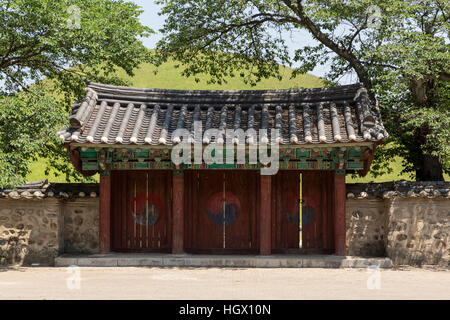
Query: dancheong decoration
[[146, 210], [223, 208], [292, 209]]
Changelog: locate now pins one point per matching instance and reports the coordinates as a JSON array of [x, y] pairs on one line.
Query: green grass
[[395, 175], [168, 77]]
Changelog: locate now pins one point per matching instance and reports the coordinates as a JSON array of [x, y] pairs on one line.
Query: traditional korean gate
[[316, 224], [221, 211], [141, 210]]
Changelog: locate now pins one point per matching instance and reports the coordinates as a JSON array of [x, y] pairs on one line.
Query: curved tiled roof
[[43, 189], [358, 191], [402, 189], [125, 115]]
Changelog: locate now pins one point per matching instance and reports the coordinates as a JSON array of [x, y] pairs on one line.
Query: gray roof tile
[[125, 115]]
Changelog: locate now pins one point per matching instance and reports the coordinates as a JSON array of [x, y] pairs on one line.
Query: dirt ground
[[223, 283]]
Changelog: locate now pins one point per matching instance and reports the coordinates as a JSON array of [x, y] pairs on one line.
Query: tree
[[396, 48], [64, 42], [27, 122]]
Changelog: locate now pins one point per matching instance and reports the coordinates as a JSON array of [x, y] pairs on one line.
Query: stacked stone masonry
[[81, 226], [30, 231], [408, 222]]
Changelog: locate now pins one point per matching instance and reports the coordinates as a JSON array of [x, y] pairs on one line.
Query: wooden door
[[221, 211], [316, 224], [141, 210]]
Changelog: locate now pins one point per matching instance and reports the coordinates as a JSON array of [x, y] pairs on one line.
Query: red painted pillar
[[339, 215], [265, 246], [178, 212], [104, 228]]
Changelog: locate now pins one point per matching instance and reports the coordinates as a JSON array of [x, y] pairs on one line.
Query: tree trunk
[[430, 169]]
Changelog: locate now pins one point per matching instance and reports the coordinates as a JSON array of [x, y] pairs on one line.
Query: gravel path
[[223, 283]]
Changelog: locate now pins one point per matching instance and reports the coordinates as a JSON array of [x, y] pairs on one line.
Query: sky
[[295, 39]]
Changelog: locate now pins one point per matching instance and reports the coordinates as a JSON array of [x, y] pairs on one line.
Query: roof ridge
[[98, 87]]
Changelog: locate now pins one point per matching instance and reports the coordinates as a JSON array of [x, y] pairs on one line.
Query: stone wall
[[39, 221], [81, 226], [408, 222], [36, 231], [410, 231], [30, 231], [419, 231], [366, 227]]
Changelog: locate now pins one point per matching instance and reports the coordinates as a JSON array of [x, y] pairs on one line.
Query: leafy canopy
[[27, 125], [68, 41], [64, 42], [398, 49]]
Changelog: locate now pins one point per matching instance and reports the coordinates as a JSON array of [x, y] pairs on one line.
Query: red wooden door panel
[[209, 233], [316, 211], [141, 210], [241, 196], [221, 211]]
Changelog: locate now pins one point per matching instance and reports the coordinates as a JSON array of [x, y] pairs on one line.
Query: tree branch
[[344, 53], [358, 30]]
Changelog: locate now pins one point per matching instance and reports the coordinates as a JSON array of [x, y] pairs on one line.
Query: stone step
[[237, 261]]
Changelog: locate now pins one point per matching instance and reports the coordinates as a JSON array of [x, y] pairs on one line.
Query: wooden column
[[178, 212], [104, 236], [265, 216], [339, 214]]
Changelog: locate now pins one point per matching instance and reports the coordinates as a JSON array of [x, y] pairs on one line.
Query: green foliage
[[67, 42], [201, 34], [398, 49], [27, 121]]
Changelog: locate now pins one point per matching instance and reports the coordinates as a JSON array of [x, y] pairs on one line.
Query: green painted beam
[[321, 157]]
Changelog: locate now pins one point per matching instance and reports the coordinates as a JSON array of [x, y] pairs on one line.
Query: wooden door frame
[[177, 236]]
